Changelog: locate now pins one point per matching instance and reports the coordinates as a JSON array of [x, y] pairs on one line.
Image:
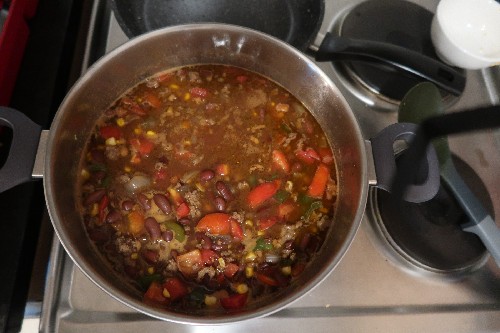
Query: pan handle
[[421, 188], [341, 48], [18, 166]]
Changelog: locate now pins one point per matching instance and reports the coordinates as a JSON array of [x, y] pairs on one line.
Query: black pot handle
[[386, 169], [341, 48], [18, 166]]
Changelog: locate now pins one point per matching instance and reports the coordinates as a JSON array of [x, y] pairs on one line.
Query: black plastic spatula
[[422, 105]]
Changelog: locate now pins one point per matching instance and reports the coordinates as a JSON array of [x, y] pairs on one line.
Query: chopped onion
[[272, 258], [137, 183]]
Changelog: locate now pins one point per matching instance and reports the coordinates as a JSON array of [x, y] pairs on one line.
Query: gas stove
[[377, 285]]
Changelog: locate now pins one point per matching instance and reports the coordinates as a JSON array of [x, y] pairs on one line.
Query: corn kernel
[[95, 209], [187, 96], [170, 111], [261, 233], [248, 271], [111, 141], [286, 270], [200, 187], [151, 270], [85, 174], [324, 210], [210, 300], [151, 134], [222, 263], [173, 86], [242, 288], [165, 293], [137, 130], [254, 139], [120, 122], [249, 223], [134, 256], [250, 256]]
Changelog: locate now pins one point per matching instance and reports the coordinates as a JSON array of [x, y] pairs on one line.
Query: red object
[[267, 223], [13, 39], [110, 132], [280, 162], [215, 224], [260, 193], [176, 288], [234, 302], [319, 181]]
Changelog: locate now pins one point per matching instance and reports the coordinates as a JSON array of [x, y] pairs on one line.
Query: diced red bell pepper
[[262, 192], [215, 224], [152, 100], [234, 302], [280, 161], [176, 288], [241, 78], [133, 106], [266, 223], [266, 279], [308, 156], [199, 92], [142, 146], [102, 207], [182, 210], [154, 294], [231, 269], [208, 257], [110, 131], [286, 209], [318, 184], [326, 155], [236, 230]]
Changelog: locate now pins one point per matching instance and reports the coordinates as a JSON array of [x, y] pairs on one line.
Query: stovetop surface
[[371, 289]]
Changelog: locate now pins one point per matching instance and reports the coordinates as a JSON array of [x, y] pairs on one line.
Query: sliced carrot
[[152, 100], [215, 224], [135, 222], [236, 230], [318, 184], [280, 161], [262, 192], [267, 223]]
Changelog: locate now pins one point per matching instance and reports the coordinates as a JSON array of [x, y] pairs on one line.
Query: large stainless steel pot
[[178, 46]]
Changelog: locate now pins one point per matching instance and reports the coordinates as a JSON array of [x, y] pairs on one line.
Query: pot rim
[[88, 270]]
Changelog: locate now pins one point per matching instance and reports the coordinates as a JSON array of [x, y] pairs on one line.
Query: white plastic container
[[466, 33]]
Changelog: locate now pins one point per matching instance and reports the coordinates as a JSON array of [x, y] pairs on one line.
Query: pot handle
[[385, 163], [341, 48], [18, 166]]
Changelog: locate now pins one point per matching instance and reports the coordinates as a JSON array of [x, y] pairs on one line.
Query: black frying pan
[[296, 22]]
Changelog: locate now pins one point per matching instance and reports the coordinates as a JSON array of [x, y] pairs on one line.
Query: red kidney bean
[[220, 204], [143, 201], [113, 216], [184, 221], [162, 202], [224, 190], [151, 256], [206, 242], [288, 245], [152, 227], [97, 155], [167, 235], [127, 205], [206, 175], [94, 197], [174, 254]]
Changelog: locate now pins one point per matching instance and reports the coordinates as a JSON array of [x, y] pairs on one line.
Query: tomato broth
[[207, 187]]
